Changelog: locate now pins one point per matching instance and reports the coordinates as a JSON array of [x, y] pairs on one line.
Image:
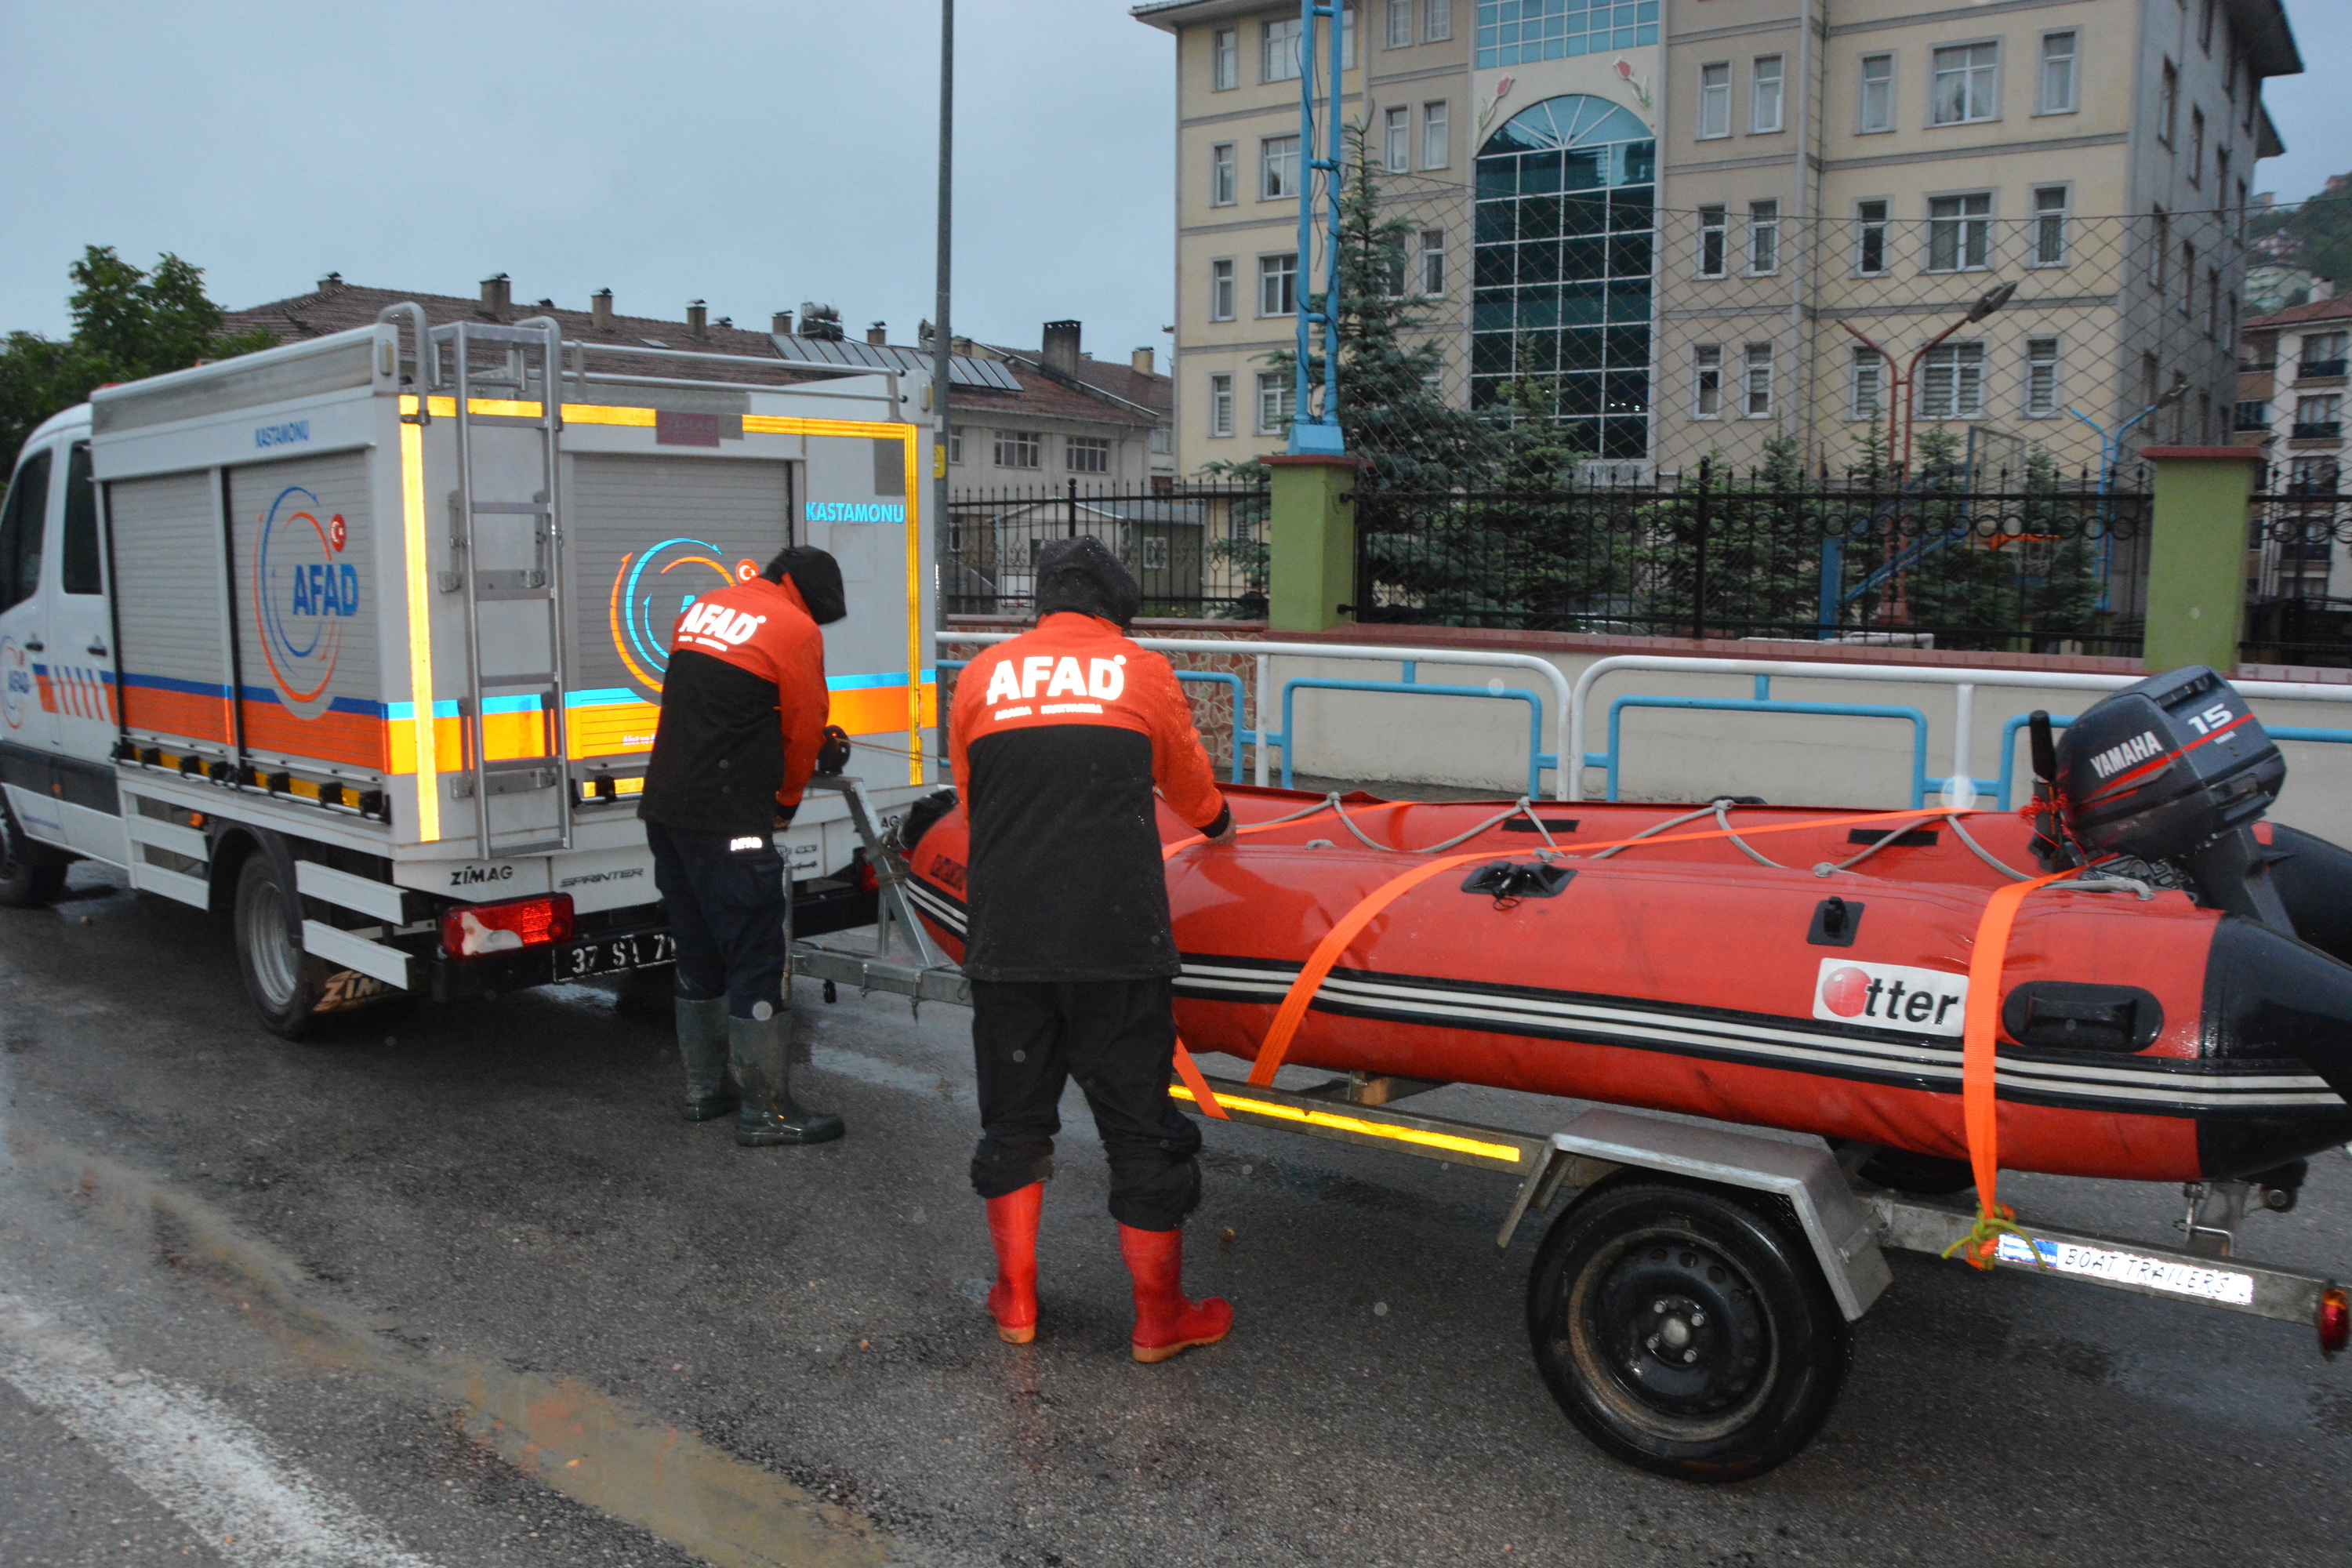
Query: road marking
[[189, 1452]]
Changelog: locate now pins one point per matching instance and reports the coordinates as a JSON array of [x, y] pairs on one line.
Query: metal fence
[[1994, 559], [1198, 549], [2299, 567]]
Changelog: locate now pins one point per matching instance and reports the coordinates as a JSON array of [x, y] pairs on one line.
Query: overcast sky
[[752, 152]]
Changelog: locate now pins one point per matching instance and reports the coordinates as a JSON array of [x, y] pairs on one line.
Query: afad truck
[[359, 641]]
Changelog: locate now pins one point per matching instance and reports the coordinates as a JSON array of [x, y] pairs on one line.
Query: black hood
[[1079, 574], [817, 575]]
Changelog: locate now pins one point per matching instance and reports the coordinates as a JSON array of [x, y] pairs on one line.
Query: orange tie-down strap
[[1287, 1017]]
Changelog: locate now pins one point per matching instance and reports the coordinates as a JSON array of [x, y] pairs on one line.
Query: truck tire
[[284, 984], [1685, 1328], [26, 879]]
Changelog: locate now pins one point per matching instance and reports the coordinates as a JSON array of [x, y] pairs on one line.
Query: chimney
[[698, 320], [877, 334], [600, 310], [1139, 361], [330, 282], [498, 296], [2322, 288], [1061, 348], [780, 323]]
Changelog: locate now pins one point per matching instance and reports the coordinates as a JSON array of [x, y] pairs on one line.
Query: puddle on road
[[594, 1448]]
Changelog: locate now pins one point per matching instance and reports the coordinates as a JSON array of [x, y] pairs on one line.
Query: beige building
[[1677, 214]]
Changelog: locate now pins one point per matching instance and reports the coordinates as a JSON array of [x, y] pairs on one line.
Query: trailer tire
[[1738, 1368], [27, 878], [284, 984]]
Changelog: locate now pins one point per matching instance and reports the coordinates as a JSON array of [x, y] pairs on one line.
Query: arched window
[[1560, 296]]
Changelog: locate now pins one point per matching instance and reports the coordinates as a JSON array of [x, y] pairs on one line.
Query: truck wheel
[[1685, 1328], [284, 982], [23, 880]]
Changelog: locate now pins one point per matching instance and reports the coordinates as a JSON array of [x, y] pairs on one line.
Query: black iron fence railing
[[2028, 562], [2299, 588], [1197, 549]]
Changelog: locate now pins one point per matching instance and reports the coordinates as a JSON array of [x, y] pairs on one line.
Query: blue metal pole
[[1303, 323], [1311, 431]]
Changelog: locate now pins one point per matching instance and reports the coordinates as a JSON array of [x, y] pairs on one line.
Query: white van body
[[295, 605]]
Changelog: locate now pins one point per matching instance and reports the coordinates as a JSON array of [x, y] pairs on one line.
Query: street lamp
[[2111, 442], [1900, 413]]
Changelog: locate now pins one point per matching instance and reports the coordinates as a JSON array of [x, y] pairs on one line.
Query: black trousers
[[1117, 1038], [727, 910]]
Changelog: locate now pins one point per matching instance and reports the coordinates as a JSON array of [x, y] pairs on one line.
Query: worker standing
[[742, 722], [1058, 737]]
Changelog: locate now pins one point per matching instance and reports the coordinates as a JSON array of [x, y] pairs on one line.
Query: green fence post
[[2197, 555], [1311, 535]]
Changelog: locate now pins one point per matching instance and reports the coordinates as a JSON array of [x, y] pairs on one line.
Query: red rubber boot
[[1166, 1322], [1012, 1227]]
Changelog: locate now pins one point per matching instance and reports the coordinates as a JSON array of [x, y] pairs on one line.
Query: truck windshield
[[22, 518]]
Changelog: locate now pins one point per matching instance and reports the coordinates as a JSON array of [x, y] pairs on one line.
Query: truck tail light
[[2335, 1320], [470, 929]]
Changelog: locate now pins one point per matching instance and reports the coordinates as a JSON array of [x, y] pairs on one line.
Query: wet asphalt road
[[459, 1284]]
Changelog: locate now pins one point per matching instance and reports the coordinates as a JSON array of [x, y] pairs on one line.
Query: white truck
[[362, 642]]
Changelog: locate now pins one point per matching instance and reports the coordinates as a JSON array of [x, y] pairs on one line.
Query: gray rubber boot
[[703, 1046], [761, 1051]]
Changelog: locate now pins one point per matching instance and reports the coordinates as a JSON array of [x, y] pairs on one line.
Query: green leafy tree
[[127, 323], [2318, 232]]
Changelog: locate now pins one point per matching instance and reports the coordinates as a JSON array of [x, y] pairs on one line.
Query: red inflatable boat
[[2191, 1021]]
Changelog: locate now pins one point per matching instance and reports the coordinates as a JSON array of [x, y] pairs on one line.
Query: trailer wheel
[[1685, 1328], [284, 982], [25, 882]]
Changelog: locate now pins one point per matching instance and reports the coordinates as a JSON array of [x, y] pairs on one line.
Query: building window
[[1399, 33], [2160, 230], [1396, 140], [1018, 449], [1764, 95], [1278, 50], [1221, 290], [1763, 238], [2041, 377], [2313, 476], [1221, 180], [1715, 100], [1707, 381], [2205, 25], [1966, 87], [1711, 226], [1278, 168], [2050, 225], [1952, 381], [1163, 441], [1432, 262], [1959, 232], [1278, 284], [1870, 239], [2168, 104], [2221, 181], [2213, 302], [2253, 415], [1521, 32], [1221, 405], [955, 443], [1865, 379], [2057, 94], [1436, 137], [2196, 146], [1438, 21], [1224, 59], [2319, 418], [1875, 111], [2323, 354], [1086, 454], [1276, 402], [2188, 278], [1757, 387]]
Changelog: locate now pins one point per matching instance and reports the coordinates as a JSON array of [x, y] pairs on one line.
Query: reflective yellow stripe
[[420, 632], [1355, 1124], [914, 615]]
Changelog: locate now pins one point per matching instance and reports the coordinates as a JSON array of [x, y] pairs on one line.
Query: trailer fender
[[1806, 1175]]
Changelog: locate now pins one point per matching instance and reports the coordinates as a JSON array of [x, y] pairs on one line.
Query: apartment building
[[2292, 391], [1702, 224]]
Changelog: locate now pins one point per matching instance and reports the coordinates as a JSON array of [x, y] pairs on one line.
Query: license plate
[[615, 953]]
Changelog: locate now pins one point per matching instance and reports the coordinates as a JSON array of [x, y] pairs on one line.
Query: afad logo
[[652, 589], [15, 684], [304, 592], [1891, 996]]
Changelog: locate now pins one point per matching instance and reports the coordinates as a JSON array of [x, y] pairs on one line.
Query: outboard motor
[[2175, 771]]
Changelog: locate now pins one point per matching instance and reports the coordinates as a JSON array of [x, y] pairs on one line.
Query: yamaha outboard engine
[[2175, 771]]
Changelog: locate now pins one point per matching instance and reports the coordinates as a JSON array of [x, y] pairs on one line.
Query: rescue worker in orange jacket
[[742, 724], [1058, 737]]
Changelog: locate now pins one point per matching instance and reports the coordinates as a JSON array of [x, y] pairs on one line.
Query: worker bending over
[[742, 722], [1058, 737]]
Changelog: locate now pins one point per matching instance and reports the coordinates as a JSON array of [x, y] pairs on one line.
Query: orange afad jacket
[[742, 714], [1058, 737]]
